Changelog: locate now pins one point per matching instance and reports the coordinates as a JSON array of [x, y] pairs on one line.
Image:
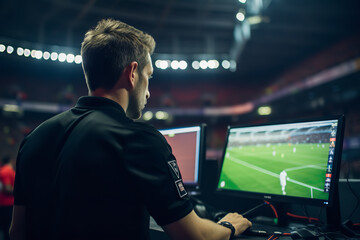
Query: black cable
[[253, 209]]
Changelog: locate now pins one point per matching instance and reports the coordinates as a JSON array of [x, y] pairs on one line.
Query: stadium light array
[[77, 59], [38, 54]]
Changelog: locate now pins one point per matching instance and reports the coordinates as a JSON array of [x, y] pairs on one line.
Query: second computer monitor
[[188, 147]]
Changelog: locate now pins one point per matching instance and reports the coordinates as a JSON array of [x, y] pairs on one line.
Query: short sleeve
[[153, 169]]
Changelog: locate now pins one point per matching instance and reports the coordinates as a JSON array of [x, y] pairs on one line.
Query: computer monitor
[[188, 147], [293, 162]]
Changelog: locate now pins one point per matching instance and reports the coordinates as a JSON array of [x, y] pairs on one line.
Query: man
[[92, 172], [283, 179], [7, 179]]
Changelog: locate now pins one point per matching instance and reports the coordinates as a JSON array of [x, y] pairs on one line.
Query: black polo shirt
[[93, 173]]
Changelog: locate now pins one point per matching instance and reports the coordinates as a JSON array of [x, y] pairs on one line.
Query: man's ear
[[130, 73]]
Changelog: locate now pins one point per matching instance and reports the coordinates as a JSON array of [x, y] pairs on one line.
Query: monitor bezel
[[195, 186], [292, 199]]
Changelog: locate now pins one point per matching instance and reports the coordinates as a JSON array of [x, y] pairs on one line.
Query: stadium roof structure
[[275, 36]]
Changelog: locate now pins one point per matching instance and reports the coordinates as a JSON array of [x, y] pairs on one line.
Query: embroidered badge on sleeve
[[180, 187], [175, 169]]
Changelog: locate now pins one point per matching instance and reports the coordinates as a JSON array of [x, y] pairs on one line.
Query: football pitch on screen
[[258, 168]]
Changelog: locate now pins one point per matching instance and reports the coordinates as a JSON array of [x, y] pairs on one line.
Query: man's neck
[[120, 96]]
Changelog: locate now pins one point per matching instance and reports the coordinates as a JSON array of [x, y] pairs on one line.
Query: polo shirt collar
[[96, 102]]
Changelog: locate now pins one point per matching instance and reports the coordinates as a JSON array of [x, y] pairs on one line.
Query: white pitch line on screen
[[271, 173], [306, 166]]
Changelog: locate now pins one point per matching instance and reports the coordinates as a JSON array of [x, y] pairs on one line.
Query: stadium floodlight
[[195, 65], [157, 63], [20, 51], [175, 64], [264, 110], [161, 115], [54, 56], [183, 64], [70, 58], [78, 59], [62, 57], [2, 47], [46, 55], [240, 15], [203, 64], [225, 64], [10, 49], [164, 64], [27, 52], [213, 64], [33, 53], [148, 116], [38, 54]]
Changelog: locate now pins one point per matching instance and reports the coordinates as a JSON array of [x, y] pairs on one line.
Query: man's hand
[[238, 221]]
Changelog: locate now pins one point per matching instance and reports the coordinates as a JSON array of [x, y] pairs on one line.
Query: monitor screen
[[188, 147], [296, 162]]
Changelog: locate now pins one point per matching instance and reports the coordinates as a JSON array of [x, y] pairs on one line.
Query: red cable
[[270, 237], [303, 217], [273, 208]]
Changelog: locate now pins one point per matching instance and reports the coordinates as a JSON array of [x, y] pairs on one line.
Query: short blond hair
[[111, 46]]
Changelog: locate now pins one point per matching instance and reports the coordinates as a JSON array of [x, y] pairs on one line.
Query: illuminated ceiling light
[[33, 53], [54, 56], [213, 64], [242, 1], [195, 65], [183, 64], [9, 49], [2, 47], [157, 63], [225, 64], [62, 57], [46, 55], [264, 110], [240, 15], [203, 64], [164, 64], [38, 54], [11, 108], [78, 59], [175, 64], [27, 52], [20, 51], [148, 115], [160, 115], [70, 58]]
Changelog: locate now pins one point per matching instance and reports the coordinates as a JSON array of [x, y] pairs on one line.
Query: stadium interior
[[228, 62]]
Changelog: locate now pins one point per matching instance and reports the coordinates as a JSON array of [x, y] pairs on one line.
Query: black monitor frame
[[332, 202], [201, 151]]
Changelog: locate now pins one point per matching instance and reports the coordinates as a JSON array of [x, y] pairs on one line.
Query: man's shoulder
[[146, 129]]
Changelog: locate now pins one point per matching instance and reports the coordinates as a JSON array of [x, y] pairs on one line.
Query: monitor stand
[[333, 216]]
